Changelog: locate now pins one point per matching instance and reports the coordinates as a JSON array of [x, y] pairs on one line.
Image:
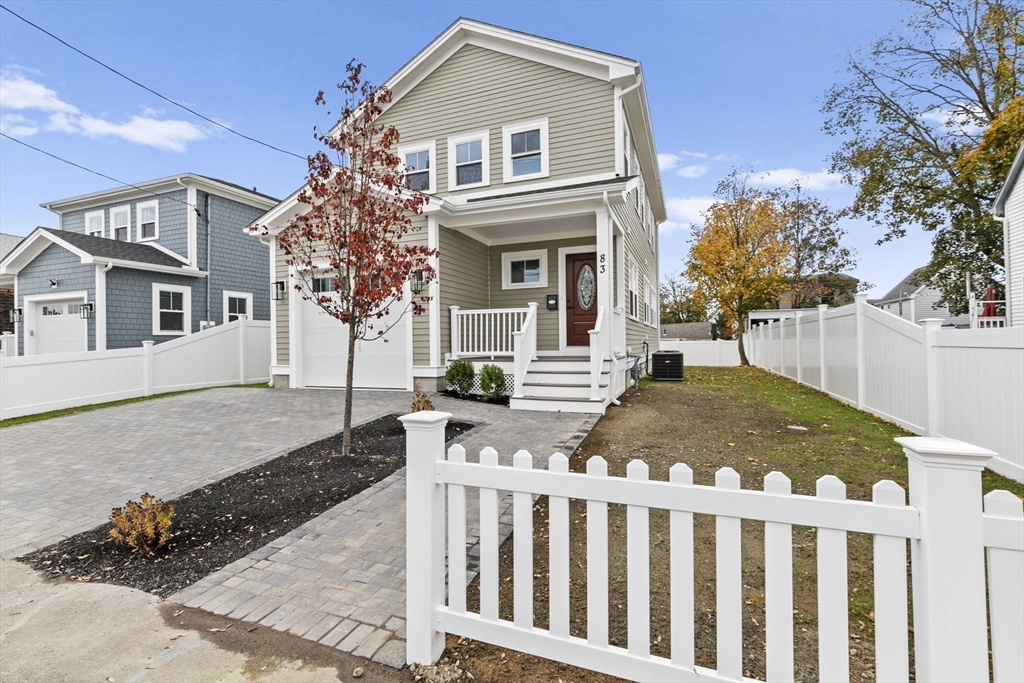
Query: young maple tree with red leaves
[[359, 212]]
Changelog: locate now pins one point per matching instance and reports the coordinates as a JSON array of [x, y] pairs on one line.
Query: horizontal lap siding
[[547, 321], [1015, 254], [463, 278], [637, 245], [420, 323], [281, 307], [478, 89]]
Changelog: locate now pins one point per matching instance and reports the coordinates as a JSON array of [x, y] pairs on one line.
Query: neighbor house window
[[120, 223], [237, 305], [172, 309], [419, 166], [149, 222], [94, 223], [524, 269], [525, 152], [468, 161]]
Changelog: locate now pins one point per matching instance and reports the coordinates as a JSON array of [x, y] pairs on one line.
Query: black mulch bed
[[502, 401], [220, 523]]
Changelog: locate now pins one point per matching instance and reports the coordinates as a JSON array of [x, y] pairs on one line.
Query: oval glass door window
[[586, 287]]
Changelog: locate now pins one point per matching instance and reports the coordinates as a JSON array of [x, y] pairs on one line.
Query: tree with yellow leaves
[[738, 258]]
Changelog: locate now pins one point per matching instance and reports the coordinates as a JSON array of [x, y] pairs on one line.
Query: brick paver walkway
[[340, 578]]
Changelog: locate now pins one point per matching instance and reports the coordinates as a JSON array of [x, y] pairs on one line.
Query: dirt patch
[[217, 524], [267, 649]]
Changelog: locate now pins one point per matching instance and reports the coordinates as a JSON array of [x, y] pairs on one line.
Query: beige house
[[545, 202]]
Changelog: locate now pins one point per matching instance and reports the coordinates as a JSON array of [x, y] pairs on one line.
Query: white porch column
[[604, 260], [433, 240]]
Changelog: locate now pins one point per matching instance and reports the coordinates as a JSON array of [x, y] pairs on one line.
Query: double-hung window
[[469, 161], [94, 223], [120, 223], [148, 220], [237, 305], [633, 312], [420, 173], [172, 310], [525, 154], [524, 269]]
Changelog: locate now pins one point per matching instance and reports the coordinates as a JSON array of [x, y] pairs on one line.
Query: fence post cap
[[861, 298], [822, 307], [931, 322], [424, 419], [147, 342], [930, 450]]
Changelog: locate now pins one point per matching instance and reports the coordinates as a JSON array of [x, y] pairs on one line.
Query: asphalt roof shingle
[[115, 249]]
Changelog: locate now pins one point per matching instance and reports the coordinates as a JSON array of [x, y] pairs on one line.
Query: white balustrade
[[485, 332], [524, 348], [600, 349]]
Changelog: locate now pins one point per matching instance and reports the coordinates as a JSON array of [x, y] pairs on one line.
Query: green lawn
[[25, 419]]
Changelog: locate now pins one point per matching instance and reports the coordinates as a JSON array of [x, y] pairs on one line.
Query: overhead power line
[[150, 90], [102, 175]]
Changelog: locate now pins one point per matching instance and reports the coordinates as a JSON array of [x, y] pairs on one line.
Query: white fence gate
[[949, 533], [235, 353], [720, 352], [961, 384]]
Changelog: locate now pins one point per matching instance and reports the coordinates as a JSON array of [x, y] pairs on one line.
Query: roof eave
[[999, 207], [151, 187]]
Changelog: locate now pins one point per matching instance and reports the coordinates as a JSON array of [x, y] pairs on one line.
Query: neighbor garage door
[[378, 364], [59, 328]]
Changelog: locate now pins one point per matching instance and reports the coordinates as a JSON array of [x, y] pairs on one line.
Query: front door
[[580, 298]]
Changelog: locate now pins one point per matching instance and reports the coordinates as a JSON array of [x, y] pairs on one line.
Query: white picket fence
[[952, 540], [719, 352], [235, 353], [961, 384]]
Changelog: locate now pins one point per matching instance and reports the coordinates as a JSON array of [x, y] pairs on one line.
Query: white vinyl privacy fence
[[235, 353], [952, 541], [720, 352], [961, 384]]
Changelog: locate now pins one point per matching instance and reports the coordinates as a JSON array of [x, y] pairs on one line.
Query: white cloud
[[695, 171], [18, 126], [20, 93], [809, 180], [666, 162], [684, 212], [694, 155]]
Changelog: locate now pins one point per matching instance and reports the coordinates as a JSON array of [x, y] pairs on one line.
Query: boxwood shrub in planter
[[460, 376]]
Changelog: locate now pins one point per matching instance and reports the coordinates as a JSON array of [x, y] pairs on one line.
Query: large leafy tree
[[678, 304], [738, 258], [348, 250], [929, 117]]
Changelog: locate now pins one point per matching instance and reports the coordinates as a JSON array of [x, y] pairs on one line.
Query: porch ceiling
[[535, 230]]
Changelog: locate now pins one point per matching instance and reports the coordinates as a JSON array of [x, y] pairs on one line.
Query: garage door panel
[[379, 364], [59, 327]]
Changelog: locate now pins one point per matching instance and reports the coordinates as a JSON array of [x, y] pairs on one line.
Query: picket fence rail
[[961, 384], [235, 353], [949, 532]]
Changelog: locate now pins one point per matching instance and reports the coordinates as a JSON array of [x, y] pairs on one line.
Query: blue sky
[[730, 84]]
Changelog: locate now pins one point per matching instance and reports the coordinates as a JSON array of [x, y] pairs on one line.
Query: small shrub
[[459, 376], [492, 382], [420, 401], [144, 526]]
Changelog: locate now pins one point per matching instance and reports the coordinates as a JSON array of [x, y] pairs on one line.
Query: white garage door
[[378, 364], [59, 327]]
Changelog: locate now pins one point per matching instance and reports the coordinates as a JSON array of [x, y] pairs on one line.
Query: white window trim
[[156, 216], [484, 136], [186, 302], [103, 226], [506, 268], [431, 148], [237, 295], [506, 153], [632, 287], [115, 209]]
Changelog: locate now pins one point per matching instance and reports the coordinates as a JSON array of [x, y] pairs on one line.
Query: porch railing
[[525, 348], [486, 332], [986, 322], [599, 351]]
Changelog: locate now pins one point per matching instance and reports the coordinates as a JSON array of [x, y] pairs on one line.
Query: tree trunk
[[739, 340], [346, 439]]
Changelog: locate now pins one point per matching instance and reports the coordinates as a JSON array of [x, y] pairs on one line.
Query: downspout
[[208, 247]]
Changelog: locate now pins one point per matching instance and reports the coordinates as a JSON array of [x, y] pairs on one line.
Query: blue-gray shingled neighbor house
[[154, 261]]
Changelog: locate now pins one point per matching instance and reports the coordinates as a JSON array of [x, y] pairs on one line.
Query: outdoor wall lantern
[[86, 310], [15, 315], [278, 290], [53, 283], [416, 282]]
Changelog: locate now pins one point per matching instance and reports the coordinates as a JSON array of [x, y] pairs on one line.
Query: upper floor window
[[420, 173], [120, 223], [94, 223], [525, 151], [468, 161], [149, 221]]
